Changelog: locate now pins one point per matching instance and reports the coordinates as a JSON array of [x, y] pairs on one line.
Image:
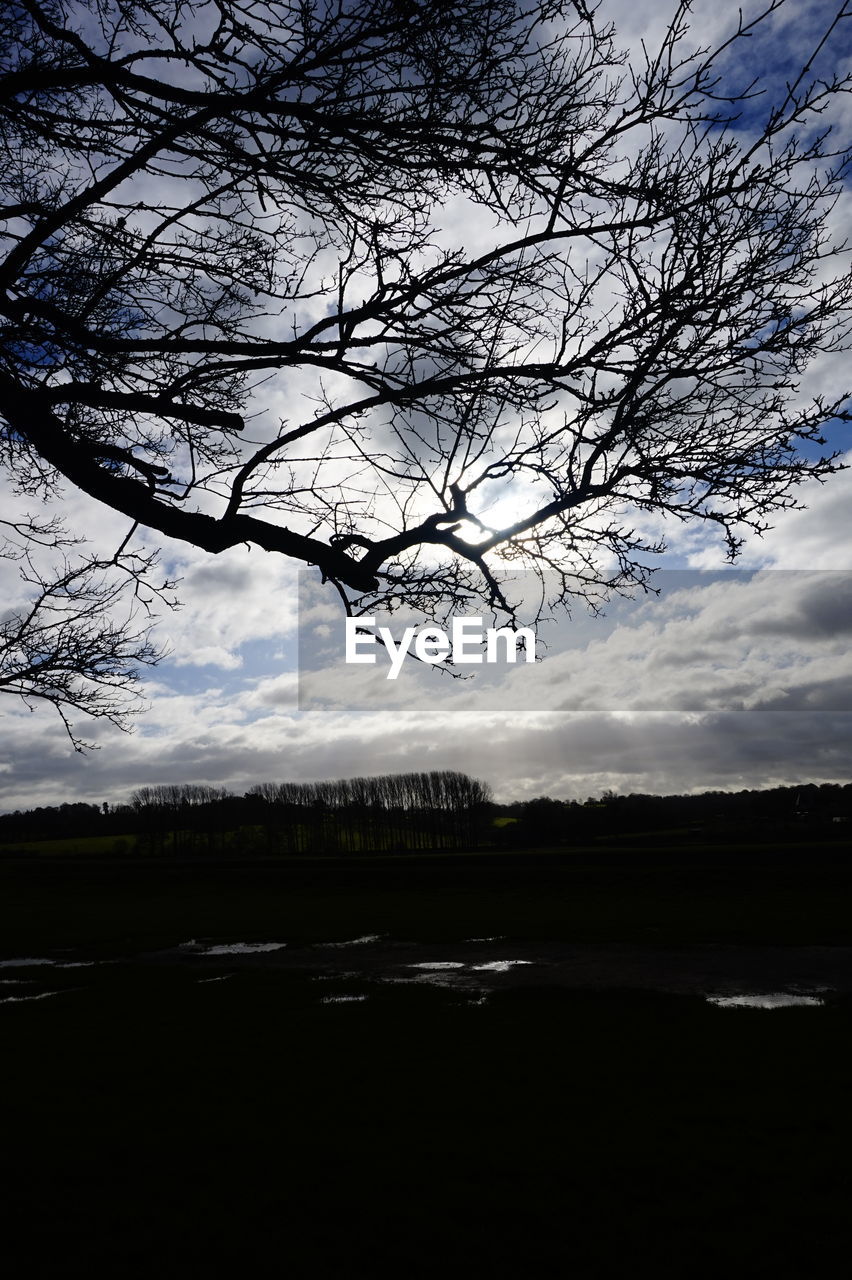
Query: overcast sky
[[730, 680]]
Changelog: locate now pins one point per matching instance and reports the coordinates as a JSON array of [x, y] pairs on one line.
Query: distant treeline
[[395, 812], [419, 811], [713, 816]]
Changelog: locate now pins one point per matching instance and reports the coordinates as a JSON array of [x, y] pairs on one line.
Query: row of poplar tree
[[393, 812]]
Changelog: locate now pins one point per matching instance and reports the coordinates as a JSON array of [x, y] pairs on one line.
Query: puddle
[[27, 962], [490, 966], [223, 977], [342, 999], [23, 999], [234, 948], [354, 942], [765, 1000], [457, 974]]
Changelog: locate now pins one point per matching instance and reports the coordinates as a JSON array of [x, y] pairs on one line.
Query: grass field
[[696, 895]]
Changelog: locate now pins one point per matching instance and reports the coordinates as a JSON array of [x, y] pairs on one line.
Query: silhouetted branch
[[229, 311]]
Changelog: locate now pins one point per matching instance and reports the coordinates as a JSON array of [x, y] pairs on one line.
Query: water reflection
[[805, 977], [460, 975], [234, 948], [765, 1000], [355, 942], [23, 999]]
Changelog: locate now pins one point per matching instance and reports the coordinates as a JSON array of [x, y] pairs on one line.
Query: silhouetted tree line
[[183, 817], [57, 822], [420, 811], [712, 816], [402, 811], [396, 812]]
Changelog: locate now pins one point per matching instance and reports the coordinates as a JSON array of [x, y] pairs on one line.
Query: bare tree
[[391, 811], [78, 642], [234, 308]]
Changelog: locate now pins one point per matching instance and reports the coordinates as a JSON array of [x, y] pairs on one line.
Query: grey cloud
[[756, 698], [562, 755], [825, 608], [735, 642]]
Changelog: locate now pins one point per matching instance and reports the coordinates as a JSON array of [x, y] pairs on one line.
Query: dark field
[[158, 1125], [793, 895]]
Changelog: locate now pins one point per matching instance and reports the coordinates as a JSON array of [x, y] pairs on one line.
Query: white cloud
[[227, 600], [734, 684], [819, 537]]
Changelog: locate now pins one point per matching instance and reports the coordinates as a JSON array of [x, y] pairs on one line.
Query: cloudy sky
[[730, 678]]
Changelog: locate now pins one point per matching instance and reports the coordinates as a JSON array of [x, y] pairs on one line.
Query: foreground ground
[[157, 1123]]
